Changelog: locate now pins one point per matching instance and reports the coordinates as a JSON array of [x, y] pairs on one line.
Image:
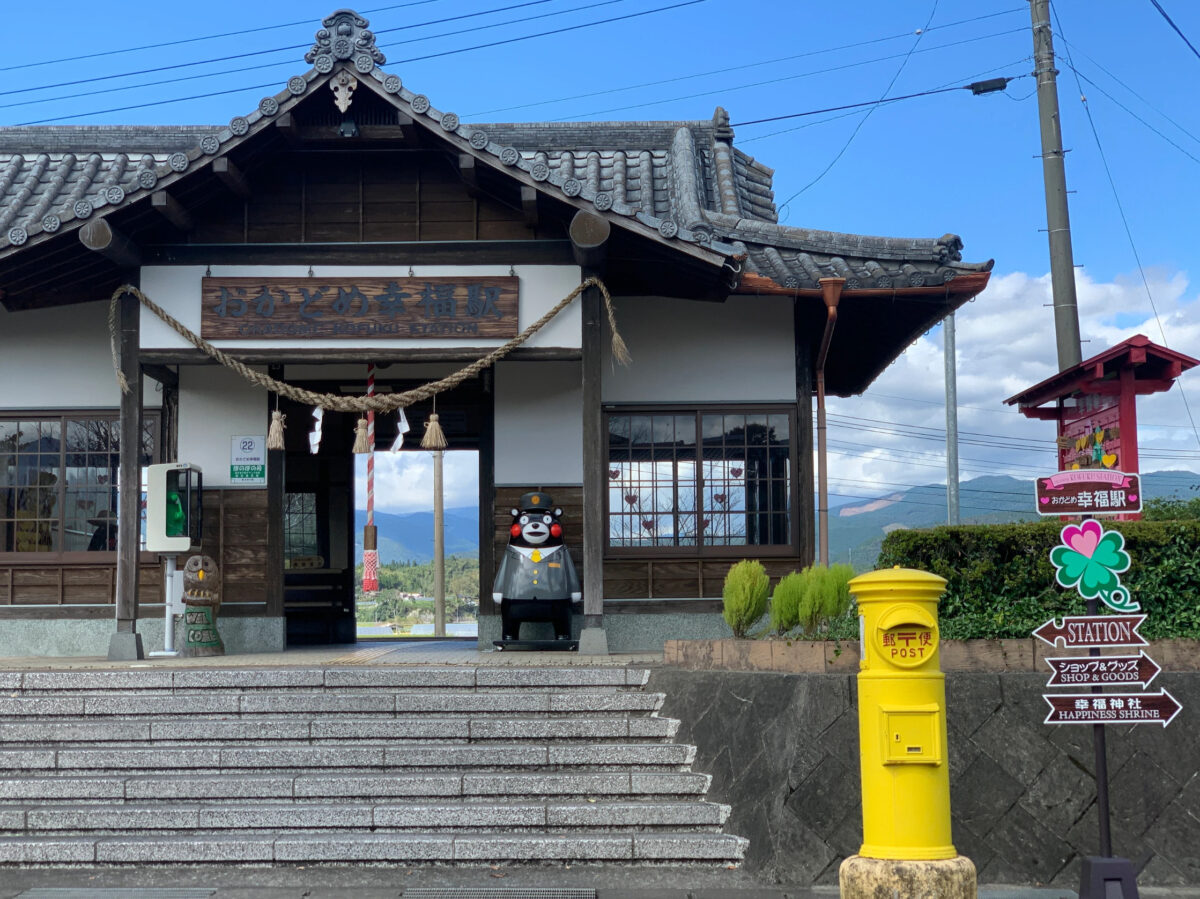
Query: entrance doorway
[[324, 510], [404, 522]]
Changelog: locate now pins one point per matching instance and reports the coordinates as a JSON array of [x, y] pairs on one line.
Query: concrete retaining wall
[[783, 751]]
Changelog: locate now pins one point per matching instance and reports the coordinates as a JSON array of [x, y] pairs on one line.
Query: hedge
[[1001, 582]]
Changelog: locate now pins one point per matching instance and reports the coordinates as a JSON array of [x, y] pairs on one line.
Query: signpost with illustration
[[1091, 560]]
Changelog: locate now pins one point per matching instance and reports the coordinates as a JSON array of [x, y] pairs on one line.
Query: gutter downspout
[[831, 292]]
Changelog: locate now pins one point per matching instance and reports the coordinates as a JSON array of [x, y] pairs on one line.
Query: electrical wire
[[726, 89], [269, 85], [159, 82], [1171, 22], [1125, 222], [738, 68], [863, 120], [1145, 102], [193, 40]]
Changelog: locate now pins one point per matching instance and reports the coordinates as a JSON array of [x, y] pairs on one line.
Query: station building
[[348, 220]]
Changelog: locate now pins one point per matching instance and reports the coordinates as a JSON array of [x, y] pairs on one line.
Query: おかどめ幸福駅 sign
[[1088, 491], [464, 307]]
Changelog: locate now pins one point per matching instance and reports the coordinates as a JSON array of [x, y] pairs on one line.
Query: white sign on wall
[[248, 462]]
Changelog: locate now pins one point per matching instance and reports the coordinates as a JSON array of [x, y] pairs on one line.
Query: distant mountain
[[857, 529], [409, 537]]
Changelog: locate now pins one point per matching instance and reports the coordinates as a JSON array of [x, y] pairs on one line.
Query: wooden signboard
[[352, 308]]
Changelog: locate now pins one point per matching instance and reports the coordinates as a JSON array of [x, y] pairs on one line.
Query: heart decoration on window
[[614, 473], [631, 498], [648, 524], [720, 498], [736, 472]]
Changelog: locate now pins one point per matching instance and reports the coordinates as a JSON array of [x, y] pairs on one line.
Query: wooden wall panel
[[349, 198]]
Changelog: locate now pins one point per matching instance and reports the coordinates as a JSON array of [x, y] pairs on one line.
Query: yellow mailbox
[[902, 717]]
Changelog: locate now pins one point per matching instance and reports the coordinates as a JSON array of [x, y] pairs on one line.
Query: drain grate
[[119, 893], [498, 893]]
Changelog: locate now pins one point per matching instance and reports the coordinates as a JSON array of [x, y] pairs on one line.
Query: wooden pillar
[[126, 643], [802, 325], [589, 235], [487, 491], [276, 474]]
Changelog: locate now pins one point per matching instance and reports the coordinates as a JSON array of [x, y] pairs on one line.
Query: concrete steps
[[400, 765]]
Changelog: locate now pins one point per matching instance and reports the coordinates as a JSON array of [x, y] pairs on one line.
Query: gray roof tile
[[683, 180]]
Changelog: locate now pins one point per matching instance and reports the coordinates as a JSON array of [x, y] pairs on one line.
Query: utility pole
[[951, 419], [1058, 221]]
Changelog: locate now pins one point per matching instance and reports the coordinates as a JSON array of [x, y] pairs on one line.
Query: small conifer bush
[[745, 595], [785, 602]]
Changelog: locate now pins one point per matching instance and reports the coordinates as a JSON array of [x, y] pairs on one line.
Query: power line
[[307, 44], [863, 120], [158, 82], [738, 68], [193, 40], [398, 62], [1145, 102], [1171, 22], [728, 89], [1125, 223]]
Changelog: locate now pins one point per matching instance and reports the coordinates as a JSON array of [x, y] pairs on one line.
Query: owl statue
[[202, 602]]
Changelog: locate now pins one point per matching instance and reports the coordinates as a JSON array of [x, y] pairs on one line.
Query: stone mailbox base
[[882, 878]]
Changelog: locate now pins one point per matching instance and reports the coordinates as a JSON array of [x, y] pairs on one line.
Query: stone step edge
[[375, 677], [216, 847]]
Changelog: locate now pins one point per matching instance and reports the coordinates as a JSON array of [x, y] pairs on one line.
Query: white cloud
[[1005, 343], [404, 480]]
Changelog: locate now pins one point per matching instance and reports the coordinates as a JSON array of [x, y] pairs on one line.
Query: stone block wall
[[783, 752]]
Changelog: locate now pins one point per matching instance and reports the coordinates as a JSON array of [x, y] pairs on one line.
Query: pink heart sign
[[1045, 500], [1133, 497], [1083, 539]]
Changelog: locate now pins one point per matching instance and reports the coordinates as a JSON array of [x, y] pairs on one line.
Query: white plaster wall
[[539, 423], [691, 352], [60, 358], [177, 289], [216, 405]]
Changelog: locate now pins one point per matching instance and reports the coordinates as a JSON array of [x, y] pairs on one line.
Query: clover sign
[[1091, 559]]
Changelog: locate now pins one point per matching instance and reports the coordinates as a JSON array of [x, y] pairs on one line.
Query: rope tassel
[[435, 438], [361, 443], [275, 433]]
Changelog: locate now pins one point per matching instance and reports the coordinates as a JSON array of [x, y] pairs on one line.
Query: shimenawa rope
[[335, 402]]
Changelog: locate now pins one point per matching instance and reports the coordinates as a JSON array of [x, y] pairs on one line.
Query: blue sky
[[919, 167]]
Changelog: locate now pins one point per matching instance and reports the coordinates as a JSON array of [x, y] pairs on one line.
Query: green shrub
[[1001, 583], [745, 595], [785, 602]]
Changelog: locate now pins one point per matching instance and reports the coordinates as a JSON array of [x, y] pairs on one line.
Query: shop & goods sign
[[357, 308]]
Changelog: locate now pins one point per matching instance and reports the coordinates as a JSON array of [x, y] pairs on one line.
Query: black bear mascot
[[537, 580]]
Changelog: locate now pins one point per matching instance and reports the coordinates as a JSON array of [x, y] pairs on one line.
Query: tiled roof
[[679, 182]]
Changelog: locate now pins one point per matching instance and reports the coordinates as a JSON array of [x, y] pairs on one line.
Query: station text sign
[[1088, 492], [359, 308]]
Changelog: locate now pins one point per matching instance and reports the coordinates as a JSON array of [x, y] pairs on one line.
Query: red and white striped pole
[[370, 540]]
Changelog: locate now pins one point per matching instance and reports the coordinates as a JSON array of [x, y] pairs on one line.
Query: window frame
[[151, 422], [702, 550]]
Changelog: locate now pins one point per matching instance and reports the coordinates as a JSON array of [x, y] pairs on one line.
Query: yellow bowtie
[[536, 556]]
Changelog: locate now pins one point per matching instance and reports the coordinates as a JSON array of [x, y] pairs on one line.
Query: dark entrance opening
[[319, 553]]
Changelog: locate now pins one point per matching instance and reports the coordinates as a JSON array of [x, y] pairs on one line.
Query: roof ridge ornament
[[345, 36]]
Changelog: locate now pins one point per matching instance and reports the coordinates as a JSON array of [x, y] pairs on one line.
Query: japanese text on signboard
[[387, 308]]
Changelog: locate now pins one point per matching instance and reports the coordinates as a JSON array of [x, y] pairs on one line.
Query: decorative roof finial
[[345, 37], [721, 124]]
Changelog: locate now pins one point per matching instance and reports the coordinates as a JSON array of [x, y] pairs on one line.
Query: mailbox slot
[[911, 735]]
